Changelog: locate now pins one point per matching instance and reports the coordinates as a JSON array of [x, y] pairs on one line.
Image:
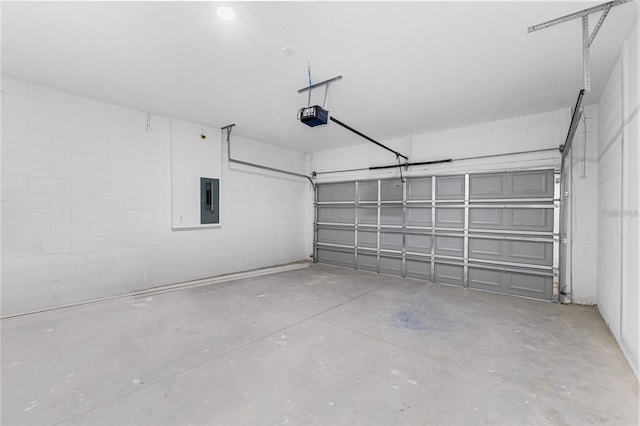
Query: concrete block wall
[[532, 132], [618, 268], [580, 210], [86, 204]]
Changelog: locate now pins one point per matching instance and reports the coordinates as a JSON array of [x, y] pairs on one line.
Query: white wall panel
[[84, 184], [618, 188], [531, 132], [192, 158]]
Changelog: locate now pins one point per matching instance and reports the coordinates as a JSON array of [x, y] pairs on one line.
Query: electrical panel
[[209, 200]]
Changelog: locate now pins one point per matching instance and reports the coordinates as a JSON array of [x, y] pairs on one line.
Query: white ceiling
[[407, 67]]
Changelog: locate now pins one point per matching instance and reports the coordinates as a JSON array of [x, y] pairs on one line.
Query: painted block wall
[[618, 192], [192, 158], [86, 208], [532, 132], [580, 211]]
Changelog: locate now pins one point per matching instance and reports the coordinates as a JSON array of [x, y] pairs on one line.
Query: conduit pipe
[[286, 172], [259, 166]]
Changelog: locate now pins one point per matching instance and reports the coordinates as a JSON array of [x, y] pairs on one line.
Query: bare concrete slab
[[320, 345]]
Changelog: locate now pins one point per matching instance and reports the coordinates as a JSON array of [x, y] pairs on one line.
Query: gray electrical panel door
[[209, 200], [490, 231]]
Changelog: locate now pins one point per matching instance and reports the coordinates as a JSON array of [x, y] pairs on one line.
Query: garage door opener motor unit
[[316, 115], [313, 115]]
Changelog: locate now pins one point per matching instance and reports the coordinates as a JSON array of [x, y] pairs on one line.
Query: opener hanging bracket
[[587, 40]]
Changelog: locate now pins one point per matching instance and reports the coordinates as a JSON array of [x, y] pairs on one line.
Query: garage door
[[490, 231]]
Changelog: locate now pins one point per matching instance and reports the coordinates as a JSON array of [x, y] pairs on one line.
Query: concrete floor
[[319, 345]]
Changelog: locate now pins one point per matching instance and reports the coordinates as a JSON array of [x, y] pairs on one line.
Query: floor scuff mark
[[33, 405]]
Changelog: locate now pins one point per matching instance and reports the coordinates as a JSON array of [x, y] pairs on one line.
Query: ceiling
[[407, 67]]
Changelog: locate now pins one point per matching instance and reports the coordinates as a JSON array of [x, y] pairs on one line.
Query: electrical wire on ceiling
[[309, 74]]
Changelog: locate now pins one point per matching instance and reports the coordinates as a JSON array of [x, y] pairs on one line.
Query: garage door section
[[490, 231]]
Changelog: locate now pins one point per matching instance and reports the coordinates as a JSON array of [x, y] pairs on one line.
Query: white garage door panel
[[534, 184], [368, 262], [418, 243], [449, 187], [490, 231], [336, 236], [391, 216], [533, 252], [391, 190], [367, 191], [368, 215], [337, 258], [419, 216], [391, 265], [512, 219], [391, 241], [419, 189], [450, 217], [336, 214], [450, 246], [418, 269], [521, 284], [450, 274], [337, 192], [367, 239]]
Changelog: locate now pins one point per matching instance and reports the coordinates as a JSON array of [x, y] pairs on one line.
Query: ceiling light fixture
[[225, 13]]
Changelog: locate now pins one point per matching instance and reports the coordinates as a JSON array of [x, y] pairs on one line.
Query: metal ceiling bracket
[[585, 54], [587, 40], [599, 24], [322, 83], [326, 89], [576, 15]]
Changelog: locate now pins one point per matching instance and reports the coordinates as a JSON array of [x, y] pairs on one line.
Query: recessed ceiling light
[[225, 13]]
